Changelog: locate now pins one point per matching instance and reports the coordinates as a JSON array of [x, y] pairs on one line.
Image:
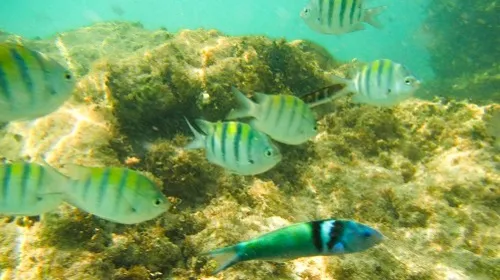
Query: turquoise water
[[400, 40]]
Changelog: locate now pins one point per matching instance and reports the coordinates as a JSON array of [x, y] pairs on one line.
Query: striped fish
[[285, 118], [31, 84], [380, 83], [29, 189], [115, 194], [339, 16], [315, 238], [235, 146]]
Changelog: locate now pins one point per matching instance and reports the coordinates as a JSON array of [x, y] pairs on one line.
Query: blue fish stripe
[[212, 143], [86, 187], [389, 74], [223, 141], [6, 182], [331, 5], [103, 186], [121, 188], [343, 5], [380, 73], [268, 108], [353, 9], [360, 12], [46, 73], [25, 179], [249, 142], [281, 108], [237, 140], [23, 70], [39, 184], [4, 85], [295, 107], [321, 10], [367, 80]]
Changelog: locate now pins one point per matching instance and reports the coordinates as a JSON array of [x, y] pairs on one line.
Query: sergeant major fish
[[235, 146], [339, 16], [285, 118], [116, 194], [316, 238], [31, 84], [381, 83], [29, 189]]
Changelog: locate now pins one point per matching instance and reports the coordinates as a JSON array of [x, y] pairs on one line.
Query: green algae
[[423, 173]]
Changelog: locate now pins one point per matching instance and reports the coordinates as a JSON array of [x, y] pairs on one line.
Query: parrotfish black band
[[316, 235], [335, 235]]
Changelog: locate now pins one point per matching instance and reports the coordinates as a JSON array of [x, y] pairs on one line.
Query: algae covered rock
[[192, 74], [423, 173]]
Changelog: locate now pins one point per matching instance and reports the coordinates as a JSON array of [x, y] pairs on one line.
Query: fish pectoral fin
[[358, 27], [371, 16], [260, 96]]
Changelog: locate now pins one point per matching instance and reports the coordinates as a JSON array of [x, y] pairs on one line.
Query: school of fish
[[33, 85]]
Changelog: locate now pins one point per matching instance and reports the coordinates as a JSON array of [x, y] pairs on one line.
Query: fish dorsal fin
[[260, 96], [205, 126], [77, 172]]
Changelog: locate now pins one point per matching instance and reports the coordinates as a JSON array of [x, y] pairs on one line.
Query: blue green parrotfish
[[316, 238]]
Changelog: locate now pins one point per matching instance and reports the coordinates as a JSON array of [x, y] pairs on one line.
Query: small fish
[[316, 238], [235, 146], [285, 118], [339, 16], [381, 83], [120, 195], [29, 189], [31, 84]]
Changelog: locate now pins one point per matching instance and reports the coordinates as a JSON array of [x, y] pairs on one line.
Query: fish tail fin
[[225, 257], [247, 107], [371, 16], [198, 141], [339, 88]]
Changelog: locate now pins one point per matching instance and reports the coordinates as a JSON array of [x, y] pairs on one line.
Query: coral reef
[[426, 174], [463, 46]]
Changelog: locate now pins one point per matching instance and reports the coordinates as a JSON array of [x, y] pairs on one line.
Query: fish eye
[[268, 153], [67, 76], [408, 81], [315, 128], [306, 11], [157, 202], [367, 234]]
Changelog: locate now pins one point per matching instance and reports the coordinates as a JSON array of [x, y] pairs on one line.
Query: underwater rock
[[425, 174]]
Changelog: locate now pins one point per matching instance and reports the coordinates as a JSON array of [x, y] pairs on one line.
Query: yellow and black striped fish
[[116, 194], [339, 16], [380, 83], [31, 84], [30, 189], [285, 118], [235, 146]]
